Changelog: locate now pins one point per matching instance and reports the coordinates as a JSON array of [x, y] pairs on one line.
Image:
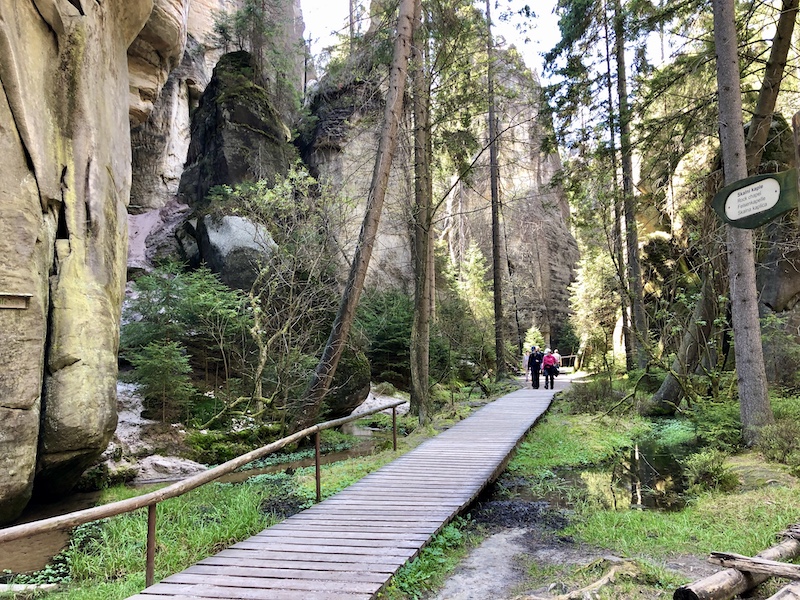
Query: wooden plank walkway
[[348, 546]]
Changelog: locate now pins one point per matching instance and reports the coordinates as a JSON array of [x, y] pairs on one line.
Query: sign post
[[796, 132], [756, 200]]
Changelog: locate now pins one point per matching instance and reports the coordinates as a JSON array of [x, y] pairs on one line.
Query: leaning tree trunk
[[668, 395], [308, 411], [754, 403], [693, 344]]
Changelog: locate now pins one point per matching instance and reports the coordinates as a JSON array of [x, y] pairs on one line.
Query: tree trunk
[[306, 414], [616, 242], [423, 225], [639, 341], [693, 343], [751, 377], [730, 582], [669, 394], [758, 132], [497, 254]]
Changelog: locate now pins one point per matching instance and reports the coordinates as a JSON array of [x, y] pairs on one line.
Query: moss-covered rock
[[237, 135]]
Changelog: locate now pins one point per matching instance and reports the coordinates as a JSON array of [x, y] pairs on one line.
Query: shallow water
[[646, 477]]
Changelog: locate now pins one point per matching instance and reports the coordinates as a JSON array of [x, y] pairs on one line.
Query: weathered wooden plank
[[270, 583], [396, 541], [278, 573], [352, 557], [254, 560], [160, 590]]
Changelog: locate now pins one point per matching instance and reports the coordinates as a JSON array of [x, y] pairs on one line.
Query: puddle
[[646, 477]]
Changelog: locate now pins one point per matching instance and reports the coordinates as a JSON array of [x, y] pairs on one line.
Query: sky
[[324, 18]]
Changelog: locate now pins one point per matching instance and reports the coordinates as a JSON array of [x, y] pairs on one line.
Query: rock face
[[341, 152], [237, 135], [64, 187], [539, 249]]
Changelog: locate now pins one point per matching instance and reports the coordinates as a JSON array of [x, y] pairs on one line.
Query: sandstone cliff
[[64, 139]]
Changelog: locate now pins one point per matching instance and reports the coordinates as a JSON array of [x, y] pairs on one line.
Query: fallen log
[[790, 592], [730, 582], [772, 568]]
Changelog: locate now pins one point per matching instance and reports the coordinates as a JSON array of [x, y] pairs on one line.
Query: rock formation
[[540, 251], [237, 135], [64, 139]]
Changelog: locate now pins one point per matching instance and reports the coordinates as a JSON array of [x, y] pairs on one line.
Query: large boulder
[[64, 141], [234, 247], [237, 135]]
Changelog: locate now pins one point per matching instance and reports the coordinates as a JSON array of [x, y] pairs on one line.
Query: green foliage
[[591, 395], [534, 337], [781, 351], [192, 308], [672, 433], [405, 423], [465, 317], [595, 303], [717, 423], [385, 319], [101, 476], [213, 447], [706, 471], [162, 371], [780, 442], [568, 441], [252, 27], [426, 573], [710, 522]]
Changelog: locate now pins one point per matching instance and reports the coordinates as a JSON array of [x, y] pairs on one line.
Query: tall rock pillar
[[64, 187]]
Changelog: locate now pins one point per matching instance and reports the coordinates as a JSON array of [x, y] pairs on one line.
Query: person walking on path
[[549, 366], [558, 358], [525, 367], [535, 364]]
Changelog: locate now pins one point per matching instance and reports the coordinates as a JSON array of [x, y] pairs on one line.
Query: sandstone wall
[[539, 248], [64, 187]]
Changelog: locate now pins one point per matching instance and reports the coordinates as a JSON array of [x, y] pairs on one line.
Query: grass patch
[[573, 440], [712, 522], [428, 571]]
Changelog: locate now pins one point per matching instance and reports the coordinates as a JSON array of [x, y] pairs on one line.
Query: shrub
[[594, 395], [385, 319], [706, 470], [781, 442], [162, 370], [717, 423]]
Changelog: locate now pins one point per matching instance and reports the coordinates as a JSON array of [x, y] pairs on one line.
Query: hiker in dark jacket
[[535, 364]]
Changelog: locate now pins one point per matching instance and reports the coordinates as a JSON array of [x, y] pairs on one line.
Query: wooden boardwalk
[[348, 546]]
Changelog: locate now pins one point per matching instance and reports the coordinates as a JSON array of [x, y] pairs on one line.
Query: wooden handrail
[[113, 509]]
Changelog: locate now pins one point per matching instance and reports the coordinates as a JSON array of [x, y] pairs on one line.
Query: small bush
[[781, 442], [706, 471], [717, 424], [596, 395]]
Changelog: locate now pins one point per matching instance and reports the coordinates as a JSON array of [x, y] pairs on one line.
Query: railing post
[[150, 568], [317, 468], [394, 428]]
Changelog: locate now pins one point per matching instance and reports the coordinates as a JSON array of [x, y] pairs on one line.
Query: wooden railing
[[151, 499]]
